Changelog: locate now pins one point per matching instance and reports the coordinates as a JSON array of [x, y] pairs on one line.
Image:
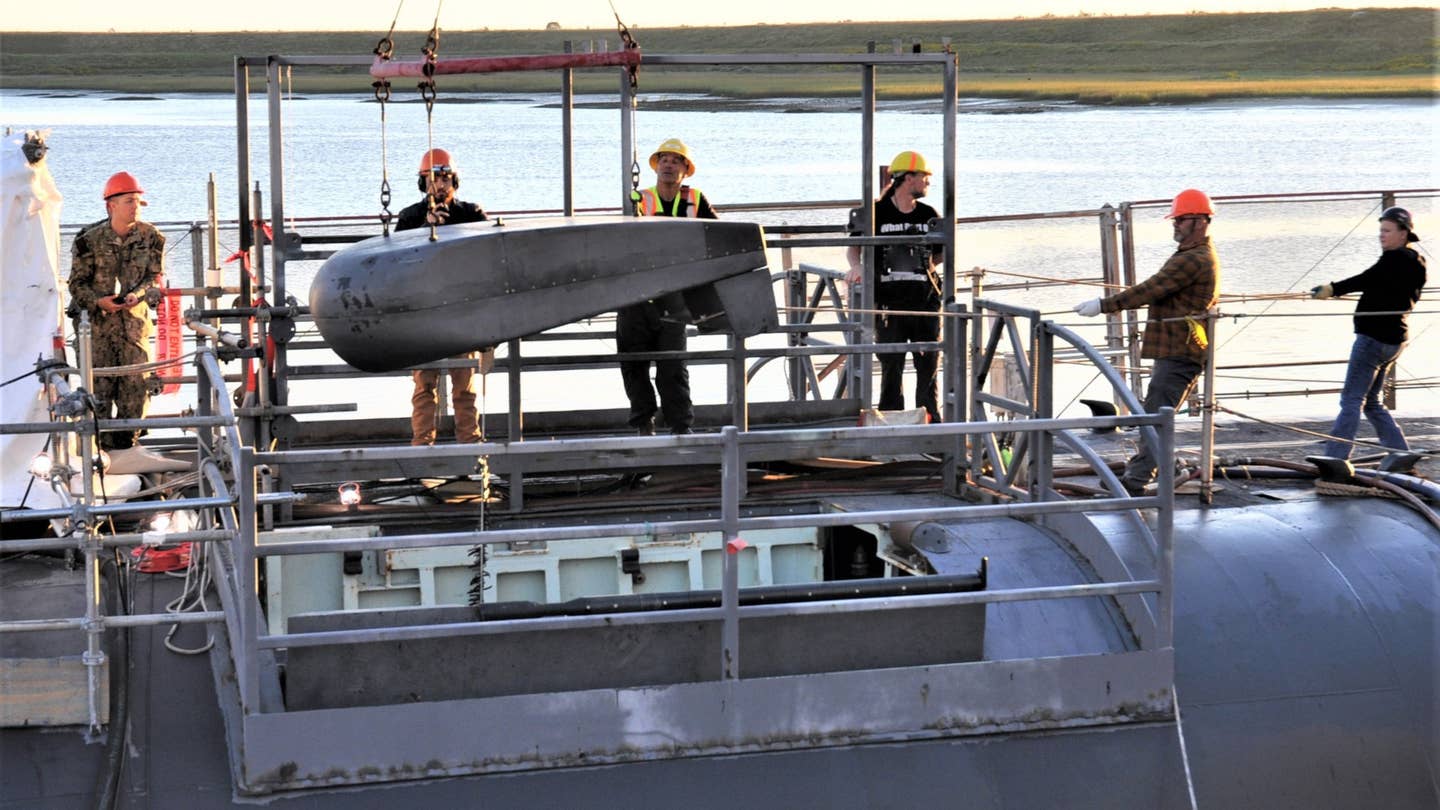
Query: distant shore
[[1093, 60], [973, 100]]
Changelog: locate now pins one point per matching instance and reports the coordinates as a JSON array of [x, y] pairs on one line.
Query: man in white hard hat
[[658, 325]]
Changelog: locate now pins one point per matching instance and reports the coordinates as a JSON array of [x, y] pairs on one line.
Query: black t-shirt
[[413, 216], [903, 276]]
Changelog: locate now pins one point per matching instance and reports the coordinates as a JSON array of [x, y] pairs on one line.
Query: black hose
[[107, 782]]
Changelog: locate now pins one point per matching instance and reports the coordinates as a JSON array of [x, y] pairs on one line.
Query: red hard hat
[[121, 183], [1191, 201], [438, 160]]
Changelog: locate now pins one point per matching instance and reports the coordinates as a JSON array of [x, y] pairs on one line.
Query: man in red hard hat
[[438, 179], [115, 269], [1178, 296]]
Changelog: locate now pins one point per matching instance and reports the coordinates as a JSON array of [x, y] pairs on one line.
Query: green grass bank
[[1387, 52]]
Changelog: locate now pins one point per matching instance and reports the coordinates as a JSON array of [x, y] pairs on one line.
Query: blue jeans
[[1370, 362]]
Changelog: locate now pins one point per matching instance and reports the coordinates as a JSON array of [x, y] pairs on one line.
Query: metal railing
[[731, 450]]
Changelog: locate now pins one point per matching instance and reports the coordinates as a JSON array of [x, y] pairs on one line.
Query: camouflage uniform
[[103, 263]]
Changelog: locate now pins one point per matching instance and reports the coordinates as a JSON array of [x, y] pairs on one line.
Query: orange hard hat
[[1189, 202], [437, 160], [122, 183]]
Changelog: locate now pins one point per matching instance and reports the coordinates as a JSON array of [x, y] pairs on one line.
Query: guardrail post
[[515, 420], [732, 473], [1207, 415], [1129, 320], [863, 363], [567, 133], [795, 298], [1165, 527], [245, 586], [94, 656], [739, 399], [957, 391], [1043, 442]]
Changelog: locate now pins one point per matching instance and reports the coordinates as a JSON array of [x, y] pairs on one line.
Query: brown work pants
[[424, 401]]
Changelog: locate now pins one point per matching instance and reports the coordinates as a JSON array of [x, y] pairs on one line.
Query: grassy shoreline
[[1374, 53], [742, 92]]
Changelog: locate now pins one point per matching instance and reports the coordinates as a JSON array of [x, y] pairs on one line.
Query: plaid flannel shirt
[[1188, 285]]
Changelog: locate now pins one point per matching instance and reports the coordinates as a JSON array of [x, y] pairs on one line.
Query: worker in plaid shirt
[[1178, 297]]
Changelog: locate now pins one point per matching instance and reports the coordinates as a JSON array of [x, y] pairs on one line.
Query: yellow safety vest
[[647, 202]]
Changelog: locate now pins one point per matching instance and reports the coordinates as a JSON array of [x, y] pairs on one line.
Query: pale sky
[[375, 15]]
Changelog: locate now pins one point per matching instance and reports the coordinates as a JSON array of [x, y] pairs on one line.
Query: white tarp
[[31, 310]]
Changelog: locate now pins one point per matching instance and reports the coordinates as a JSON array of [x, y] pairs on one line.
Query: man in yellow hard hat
[[905, 282], [1178, 296], [439, 179], [658, 325], [115, 270]]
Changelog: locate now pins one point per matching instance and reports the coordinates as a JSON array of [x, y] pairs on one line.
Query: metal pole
[[956, 389], [246, 668], [795, 289], [94, 657], [1110, 272], [1042, 446], [87, 439], [948, 405], [1207, 415], [197, 252], [212, 279], [242, 165], [279, 396], [731, 473], [515, 422], [567, 124], [862, 363], [1165, 529], [739, 400], [1126, 278], [627, 138]]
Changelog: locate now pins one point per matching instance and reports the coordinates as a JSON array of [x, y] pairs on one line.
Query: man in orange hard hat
[[1178, 296], [439, 179], [905, 282], [115, 270], [659, 325]]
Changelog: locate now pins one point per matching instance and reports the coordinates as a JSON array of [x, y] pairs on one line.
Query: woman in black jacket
[[1388, 291]]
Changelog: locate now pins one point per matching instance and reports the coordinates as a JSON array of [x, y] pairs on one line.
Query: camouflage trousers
[[123, 396]]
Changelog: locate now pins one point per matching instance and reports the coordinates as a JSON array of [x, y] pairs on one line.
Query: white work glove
[[1322, 292], [1088, 309]]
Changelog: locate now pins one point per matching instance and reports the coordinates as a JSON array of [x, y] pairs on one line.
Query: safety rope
[[139, 368], [1363, 219], [1318, 435]]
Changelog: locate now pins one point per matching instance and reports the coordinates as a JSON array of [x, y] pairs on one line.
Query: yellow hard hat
[[907, 162], [676, 146]]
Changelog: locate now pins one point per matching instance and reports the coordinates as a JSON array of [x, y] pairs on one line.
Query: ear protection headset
[[454, 181]]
